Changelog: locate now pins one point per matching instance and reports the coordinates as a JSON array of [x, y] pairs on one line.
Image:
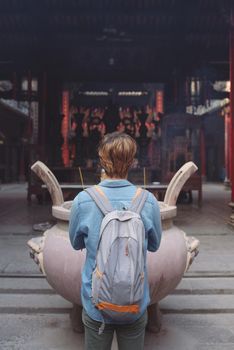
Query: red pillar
[[232, 101], [227, 143], [231, 48], [42, 117], [65, 128]]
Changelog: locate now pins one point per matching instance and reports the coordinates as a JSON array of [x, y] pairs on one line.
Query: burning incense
[[144, 172], [81, 177]]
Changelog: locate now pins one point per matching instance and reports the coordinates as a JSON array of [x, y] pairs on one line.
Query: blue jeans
[[129, 336]]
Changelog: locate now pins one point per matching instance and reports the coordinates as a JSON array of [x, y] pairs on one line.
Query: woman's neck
[[106, 177]]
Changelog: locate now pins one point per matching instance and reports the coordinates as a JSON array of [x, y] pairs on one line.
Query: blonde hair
[[116, 152]]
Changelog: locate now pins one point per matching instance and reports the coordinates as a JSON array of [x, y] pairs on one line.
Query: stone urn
[[62, 265]]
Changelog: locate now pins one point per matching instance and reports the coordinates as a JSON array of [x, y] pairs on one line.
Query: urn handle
[[178, 181], [44, 173]]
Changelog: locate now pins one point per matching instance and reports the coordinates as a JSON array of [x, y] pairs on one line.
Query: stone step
[[39, 285], [198, 304], [34, 303], [179, 332], [212, 285], [53, 303], [209, 274], [23, 285]]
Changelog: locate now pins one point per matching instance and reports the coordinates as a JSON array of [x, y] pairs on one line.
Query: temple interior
[[157, 70]]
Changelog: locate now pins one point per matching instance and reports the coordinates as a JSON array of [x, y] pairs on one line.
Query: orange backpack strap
[[133, 309], [139, 200], [100, 199]]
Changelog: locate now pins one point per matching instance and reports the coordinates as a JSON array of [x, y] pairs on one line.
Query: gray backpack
[[118, 276]]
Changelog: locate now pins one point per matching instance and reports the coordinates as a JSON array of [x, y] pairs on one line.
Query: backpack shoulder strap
[[139, 200], [100, 199]]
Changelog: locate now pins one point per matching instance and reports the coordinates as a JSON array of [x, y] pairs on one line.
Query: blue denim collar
[[115, 183]]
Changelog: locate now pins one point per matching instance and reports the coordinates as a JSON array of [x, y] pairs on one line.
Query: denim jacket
[[84, 227]]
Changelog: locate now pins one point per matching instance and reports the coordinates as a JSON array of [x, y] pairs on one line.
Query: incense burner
[[62, 265]]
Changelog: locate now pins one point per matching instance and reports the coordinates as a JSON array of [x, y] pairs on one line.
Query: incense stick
[[144, 176], [81, 177]]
